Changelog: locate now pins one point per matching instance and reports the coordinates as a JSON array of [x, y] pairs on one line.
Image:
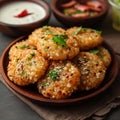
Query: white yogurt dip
[[9, 11]]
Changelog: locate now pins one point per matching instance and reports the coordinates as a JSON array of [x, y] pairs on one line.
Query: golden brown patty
[[103, 54], [92, 70], [54, 44], [28, 69], [61, 80], [42, 33], [86, 37]]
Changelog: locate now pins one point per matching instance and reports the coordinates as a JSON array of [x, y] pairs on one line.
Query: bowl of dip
[[86, 13], [21, 17]]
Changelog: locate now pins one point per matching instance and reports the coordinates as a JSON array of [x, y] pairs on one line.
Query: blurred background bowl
[[85, 21], [16, 30]]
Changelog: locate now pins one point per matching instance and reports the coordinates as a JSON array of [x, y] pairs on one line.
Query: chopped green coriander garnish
[[43, 85], [53, 74], [94, 51], [21, 73], [98, 31], [85, 28], [46, 38], [77, 31], [17, 59], [59, 39], [48, 32], [30, 55], [24, 46], [45, 27], [81, 28]]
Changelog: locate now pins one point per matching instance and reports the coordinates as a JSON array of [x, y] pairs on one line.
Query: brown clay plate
[[31, 91]]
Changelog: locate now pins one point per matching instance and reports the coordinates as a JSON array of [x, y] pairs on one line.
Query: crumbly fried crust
[[92, 70], [20, 49], [59, 49], [87, 38], [28, 69], [41, 32], [104, 55], [61, 80]]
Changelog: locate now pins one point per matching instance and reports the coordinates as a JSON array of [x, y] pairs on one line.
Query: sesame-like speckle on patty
[[61, 80], [103, 54], [86, 37], [20, 49], [40, 33], [27, 70], [53, 43], [92, 70]]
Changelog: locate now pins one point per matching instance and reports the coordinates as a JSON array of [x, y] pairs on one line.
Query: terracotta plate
[[31, 91]]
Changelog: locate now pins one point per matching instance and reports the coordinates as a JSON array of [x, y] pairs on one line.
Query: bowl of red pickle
[[85, 13]]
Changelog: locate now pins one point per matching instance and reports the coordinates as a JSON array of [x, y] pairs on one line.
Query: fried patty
[[28, 69], [40, 33], [92, 70], [86, 37], [61, 80], [54, 44], [20, 49], [103, 54]]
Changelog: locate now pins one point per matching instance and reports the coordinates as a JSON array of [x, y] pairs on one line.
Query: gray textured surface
[[11, 108]]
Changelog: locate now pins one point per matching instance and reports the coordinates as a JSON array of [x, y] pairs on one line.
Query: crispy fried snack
[[61, 80], [92, 70], [20, 49], [86, 37], [54, 44], [103, 54], [28, 69]]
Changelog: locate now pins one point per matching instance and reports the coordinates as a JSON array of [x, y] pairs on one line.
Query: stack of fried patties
[[59, 61]]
